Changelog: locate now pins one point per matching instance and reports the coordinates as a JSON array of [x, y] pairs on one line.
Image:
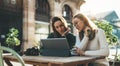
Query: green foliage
[[107, 27], [118, 58], [12, 39]]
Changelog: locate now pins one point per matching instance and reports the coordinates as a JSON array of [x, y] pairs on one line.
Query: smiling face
[[59, 26], [79, 24]]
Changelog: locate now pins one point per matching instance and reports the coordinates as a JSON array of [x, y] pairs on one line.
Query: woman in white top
[[90, 40]]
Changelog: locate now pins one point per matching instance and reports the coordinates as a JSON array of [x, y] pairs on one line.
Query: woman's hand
[[79, 51], [67, 31], [87, 31]]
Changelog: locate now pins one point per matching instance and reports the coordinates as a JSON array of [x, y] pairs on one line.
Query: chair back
[[19, 58]]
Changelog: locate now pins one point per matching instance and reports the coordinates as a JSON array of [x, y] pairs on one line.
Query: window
[[1, 3], [13, 2], [67, 13], [6, 2], [10, 5], [42, 10]]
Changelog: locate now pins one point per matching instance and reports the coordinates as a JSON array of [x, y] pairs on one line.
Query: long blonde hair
[[88, 23]]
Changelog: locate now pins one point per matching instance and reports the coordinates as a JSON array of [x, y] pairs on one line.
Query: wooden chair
[[19, 58]]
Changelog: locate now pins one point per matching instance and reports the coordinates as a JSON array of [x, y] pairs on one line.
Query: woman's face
[[59, 26], [79, 24]]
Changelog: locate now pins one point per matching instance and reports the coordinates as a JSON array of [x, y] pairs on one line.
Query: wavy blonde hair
[[88, 23]]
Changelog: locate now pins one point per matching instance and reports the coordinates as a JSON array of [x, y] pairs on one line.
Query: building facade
[[32, 17]]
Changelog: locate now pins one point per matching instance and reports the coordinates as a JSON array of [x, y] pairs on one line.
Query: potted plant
[[12, 38]]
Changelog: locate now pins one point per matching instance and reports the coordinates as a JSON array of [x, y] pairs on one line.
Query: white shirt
[[97, 46]]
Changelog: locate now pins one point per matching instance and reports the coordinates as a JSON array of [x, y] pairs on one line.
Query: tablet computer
[[55, 47], [55, 43]]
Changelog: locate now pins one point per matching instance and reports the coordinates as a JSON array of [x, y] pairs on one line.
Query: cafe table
[[53, 61]]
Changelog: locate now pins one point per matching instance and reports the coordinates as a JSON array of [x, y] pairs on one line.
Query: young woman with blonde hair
[[90, 40]]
